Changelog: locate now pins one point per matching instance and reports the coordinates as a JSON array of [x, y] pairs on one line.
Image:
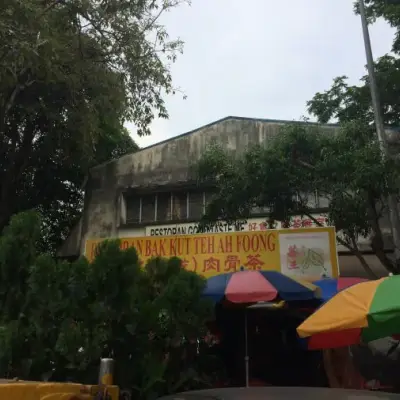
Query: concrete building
[[151, 192]]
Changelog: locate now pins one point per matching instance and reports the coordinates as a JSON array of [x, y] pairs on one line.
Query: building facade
[[152, 191]]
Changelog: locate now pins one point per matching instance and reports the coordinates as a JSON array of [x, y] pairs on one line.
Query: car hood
[[281, 393]]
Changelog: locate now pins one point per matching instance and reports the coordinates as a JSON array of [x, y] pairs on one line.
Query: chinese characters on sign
[[213, 254], [305, 254], [251, 225]]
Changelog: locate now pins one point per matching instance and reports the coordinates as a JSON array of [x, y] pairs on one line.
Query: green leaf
[[63, 317], [345, 167]]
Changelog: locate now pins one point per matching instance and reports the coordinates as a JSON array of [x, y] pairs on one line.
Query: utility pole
[[380, 130]]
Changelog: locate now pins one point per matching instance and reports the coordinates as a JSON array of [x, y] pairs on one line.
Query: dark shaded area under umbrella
[[273, 294], [276, 357], [247, 295], [379, 360]]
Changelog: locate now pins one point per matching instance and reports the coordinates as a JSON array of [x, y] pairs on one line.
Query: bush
[[59, 318]]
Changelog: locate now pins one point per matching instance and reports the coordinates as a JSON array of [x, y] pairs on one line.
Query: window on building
[[164, 207], [323, 202], [179, 206], [148, 208], [168, 206], [208, 196], [133, 209], [196, 205], [260, 210], [310, 199]]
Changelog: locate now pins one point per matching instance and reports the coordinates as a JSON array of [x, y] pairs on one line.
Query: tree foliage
[[389, 10], [345, 168], [344, 102], [351, 106], [59, 318], [71, 74]]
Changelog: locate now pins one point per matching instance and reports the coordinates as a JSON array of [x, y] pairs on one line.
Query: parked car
[[281, 393]]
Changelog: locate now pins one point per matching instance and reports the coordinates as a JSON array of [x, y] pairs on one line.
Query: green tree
[[344, 168], [71, 74], [344, 102], [56, 189], [351, 106], [387, 9], [59, 318]]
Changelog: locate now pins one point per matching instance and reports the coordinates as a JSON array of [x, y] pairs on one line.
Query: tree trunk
[[377, 242]]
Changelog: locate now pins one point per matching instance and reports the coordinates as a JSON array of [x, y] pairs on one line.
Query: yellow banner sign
[[307, 252]]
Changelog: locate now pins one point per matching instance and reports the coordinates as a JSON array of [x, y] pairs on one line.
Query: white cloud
[[260, 58]]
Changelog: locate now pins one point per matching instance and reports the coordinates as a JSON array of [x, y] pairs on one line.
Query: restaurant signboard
[[301, 252]]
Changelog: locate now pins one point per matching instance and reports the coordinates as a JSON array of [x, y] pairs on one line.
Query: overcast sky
[[260, 58]]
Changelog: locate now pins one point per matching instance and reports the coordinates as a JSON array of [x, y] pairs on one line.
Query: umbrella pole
[[246, 357]]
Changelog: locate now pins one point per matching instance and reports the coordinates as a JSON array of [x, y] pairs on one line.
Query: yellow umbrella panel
[[361, 313]]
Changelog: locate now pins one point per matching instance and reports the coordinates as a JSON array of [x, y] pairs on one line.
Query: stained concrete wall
[[165, 163], [169, 163]]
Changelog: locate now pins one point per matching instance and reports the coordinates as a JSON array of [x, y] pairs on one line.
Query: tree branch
[[377, 242], [356, 251], [354, 248]]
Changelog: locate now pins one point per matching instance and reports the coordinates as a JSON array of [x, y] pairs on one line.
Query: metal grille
[[323, 202], [133, 209], [260, 210], [196, 205], [310, 199], [148, 208], [163, 207], [208, 196], [179, 206]]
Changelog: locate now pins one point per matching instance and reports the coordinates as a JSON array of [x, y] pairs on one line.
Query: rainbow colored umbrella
[[258, 286], [361, 313], [332, 286]]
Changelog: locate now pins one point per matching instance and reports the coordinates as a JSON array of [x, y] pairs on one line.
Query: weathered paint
[[165, 163], [162, 164]]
